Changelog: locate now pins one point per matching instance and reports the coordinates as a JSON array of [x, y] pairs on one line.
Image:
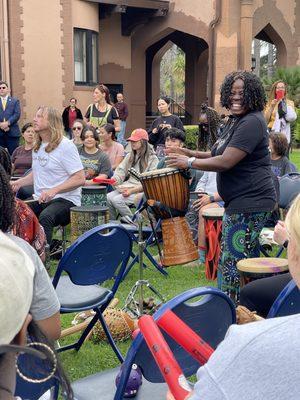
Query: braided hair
[[254, 98], [5, 161], [214, 122], [7, 202]]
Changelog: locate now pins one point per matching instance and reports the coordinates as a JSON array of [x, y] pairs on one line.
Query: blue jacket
[[12, 114]]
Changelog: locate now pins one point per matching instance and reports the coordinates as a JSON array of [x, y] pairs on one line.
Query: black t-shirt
[[113, 114], [159, 137], [247, 187]]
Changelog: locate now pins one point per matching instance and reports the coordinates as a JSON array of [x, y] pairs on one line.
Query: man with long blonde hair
[[57, 172]]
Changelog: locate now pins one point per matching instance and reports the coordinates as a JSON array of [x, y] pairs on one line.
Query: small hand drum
[[85, 218], [93, 195], [257, 268]]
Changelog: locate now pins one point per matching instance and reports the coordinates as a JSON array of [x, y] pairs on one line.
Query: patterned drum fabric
[[85, 218], [94, 196]]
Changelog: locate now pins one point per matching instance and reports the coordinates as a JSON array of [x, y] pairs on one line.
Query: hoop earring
[[50, 375]]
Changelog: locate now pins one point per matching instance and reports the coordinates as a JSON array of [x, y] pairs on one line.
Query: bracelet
[[285, 244]]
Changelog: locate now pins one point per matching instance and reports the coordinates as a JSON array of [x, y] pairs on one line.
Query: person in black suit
[[9, 116]]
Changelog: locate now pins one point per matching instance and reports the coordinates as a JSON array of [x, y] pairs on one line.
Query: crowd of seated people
[[60, 167]]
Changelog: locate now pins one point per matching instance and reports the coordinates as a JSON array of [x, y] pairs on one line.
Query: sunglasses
[[76, 128]]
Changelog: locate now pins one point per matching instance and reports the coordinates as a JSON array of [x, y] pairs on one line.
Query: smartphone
[[280, 94]]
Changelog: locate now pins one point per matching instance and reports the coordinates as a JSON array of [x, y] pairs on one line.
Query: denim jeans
[[122, 132]]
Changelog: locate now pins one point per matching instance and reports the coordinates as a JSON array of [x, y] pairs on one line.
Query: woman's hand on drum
[[203, 200], [280, 233], [177, 160]]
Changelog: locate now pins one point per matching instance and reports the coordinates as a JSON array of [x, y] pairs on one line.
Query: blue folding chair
[[287, 302], [289, 188], [208, 311], [97, 256]]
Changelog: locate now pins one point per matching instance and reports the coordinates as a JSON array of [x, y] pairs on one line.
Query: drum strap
[[173, 212]]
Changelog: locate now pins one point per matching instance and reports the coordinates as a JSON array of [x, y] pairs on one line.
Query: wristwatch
[[212, 198], [190, 161], [285, 244]]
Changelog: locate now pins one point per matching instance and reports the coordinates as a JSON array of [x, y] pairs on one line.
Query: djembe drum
[[168, 190], [94, 195], [84, 218], [213, 234], [262, 267]]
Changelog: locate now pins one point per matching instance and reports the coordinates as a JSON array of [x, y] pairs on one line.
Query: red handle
[[108, 181], [164, 358], [185, 336]]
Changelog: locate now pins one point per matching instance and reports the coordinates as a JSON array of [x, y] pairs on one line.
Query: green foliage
[[296, 127], [291, 76], [172, 74], [191, 132]]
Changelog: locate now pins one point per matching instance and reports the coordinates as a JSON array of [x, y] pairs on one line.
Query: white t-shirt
[[54, 168]]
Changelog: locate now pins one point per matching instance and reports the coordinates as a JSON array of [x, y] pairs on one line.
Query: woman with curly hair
[[209, 124], [26, 224], [241, 159], [280, 111]]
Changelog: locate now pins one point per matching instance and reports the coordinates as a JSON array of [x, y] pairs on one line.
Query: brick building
[[52, 50]]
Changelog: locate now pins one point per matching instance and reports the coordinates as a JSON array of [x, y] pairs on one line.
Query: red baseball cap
[[138, 134]]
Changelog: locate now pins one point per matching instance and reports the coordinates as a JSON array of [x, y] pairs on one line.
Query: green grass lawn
[[97, 357]]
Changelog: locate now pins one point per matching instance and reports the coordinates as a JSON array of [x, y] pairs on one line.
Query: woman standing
[[242, 162], [102, 111], [209, 124], [110, 146], [142, 158], [69, 115], [95, 162], [165, 121], [280, 111]]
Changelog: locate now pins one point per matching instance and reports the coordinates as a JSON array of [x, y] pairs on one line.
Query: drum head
[[263, 265], [213, 212], [93, 189], [91, 209], [159, 172]]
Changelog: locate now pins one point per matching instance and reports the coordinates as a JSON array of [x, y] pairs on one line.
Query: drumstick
[[164, 358], [185, 336]]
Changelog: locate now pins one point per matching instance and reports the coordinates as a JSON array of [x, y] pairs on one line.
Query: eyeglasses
[[2, 87], [76, 128]]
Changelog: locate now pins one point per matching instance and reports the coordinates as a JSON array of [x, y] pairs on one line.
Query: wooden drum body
[[213, 234], [262, 267], [170, 187], [85, 218], [94, 195]]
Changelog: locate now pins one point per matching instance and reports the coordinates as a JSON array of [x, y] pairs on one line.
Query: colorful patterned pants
[[240, 239]]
